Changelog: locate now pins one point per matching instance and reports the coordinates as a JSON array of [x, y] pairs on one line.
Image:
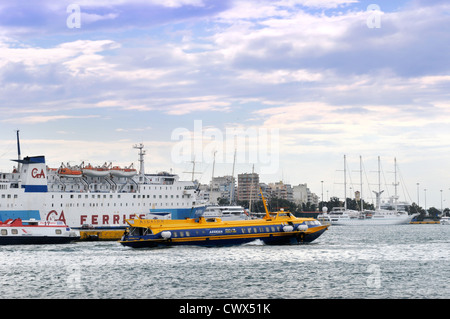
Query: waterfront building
[[248, 187]]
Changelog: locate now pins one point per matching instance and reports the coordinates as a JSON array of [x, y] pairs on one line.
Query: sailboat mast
[[232, 178], [251, 190], [361, 182], [379, 184], [395, 183], [345, 183], [212, 175]]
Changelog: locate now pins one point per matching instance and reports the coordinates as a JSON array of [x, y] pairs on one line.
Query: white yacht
[[343, 217]]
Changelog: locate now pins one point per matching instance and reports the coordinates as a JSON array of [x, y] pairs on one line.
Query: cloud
[[136, 129], [45, 118], [313, 69], [47, 17]]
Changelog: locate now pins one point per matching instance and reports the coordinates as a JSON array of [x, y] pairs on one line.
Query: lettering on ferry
[[115, 219], [54, 216], [215, 231], [35, 173]]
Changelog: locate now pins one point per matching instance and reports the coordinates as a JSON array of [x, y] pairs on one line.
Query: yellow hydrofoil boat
[[274, 228]]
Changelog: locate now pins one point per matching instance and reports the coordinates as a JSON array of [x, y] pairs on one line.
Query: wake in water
[[256, 242]]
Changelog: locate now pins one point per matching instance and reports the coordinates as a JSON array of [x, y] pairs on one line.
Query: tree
[[351, 204], [416, 209], [434, 212], [222, 201]]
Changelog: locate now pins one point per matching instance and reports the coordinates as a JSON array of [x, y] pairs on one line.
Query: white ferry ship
[[94, 197]]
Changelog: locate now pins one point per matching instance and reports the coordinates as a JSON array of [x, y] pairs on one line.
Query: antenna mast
[[141, 158]]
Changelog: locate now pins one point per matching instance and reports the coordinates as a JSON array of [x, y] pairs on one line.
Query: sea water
[[401, 261]]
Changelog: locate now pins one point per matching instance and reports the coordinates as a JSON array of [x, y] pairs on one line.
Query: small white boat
[[22, 232], [95, 171], [123, 172], [445, 220]]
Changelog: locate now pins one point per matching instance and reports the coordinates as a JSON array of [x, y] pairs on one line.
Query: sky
[[284, 87]]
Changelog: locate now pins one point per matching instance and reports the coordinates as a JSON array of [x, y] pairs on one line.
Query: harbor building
[[248, 187], [302, 195], [222, 187]]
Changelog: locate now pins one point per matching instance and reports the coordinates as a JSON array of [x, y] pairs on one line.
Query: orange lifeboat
[[67, 172]]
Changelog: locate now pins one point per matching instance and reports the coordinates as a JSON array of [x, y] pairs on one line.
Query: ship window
[[181, 234], [255, 230], [243, 230], [272, 228], [188, 233], [14, 231], [58, 231], [4, 232], [175, 234]]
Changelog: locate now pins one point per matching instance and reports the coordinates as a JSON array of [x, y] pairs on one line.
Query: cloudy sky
[[297, 84]]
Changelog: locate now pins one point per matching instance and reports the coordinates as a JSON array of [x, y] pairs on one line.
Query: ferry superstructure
[[94, 197]]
